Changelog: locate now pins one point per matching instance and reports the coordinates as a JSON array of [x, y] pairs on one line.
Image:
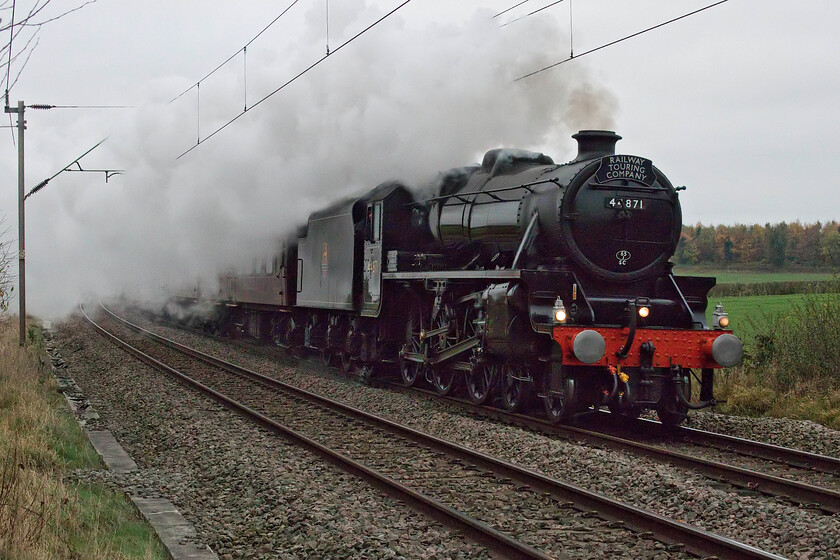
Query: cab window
[[374, 222]]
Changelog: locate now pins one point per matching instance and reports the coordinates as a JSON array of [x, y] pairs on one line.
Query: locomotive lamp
[[643, 307], [720, 318], [559, 311]]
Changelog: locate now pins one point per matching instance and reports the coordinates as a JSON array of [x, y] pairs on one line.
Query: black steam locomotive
[[518, 279]]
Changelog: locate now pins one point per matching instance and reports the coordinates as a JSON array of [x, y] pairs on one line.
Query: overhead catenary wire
[[503, 12], [16, 26], [297, 76], [108, 172], [231, 57], [590, 51], [538, 10], [44, 106]]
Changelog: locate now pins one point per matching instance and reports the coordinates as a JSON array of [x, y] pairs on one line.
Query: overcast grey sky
[[738, 103]]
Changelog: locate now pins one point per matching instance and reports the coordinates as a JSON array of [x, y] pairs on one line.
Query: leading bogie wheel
[[443, 379], [411, 372], [514, 389], [557, 408], [481, 382], [559, 400]]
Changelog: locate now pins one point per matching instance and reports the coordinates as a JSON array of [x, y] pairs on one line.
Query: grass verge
[[792, 357], [43, 516]]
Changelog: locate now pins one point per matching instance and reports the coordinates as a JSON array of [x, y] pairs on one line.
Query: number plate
[[624, 203]]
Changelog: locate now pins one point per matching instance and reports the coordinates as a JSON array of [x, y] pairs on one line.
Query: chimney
[[595, 144]]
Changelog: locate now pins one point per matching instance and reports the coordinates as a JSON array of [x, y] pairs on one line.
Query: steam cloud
[[402, 102]]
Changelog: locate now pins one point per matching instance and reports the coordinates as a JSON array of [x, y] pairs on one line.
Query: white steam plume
[[403, 101]]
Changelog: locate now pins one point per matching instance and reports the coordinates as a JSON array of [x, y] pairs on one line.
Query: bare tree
[[6, 279], [21, 27]]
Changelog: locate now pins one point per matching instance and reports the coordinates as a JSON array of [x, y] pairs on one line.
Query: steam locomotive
[[517, 281]]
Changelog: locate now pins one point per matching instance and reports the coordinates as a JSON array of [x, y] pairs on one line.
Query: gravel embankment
[[762, 522], [249, 493], [799, 434]]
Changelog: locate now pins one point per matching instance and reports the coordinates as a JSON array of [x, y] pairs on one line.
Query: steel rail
[[692, 539], [747, 447], [807, 495], [470, 526], [794, 457]]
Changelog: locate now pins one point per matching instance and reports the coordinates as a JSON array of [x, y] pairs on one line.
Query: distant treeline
[[783, 245]]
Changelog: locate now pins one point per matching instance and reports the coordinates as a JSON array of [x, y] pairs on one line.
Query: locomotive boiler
[[519, 281]]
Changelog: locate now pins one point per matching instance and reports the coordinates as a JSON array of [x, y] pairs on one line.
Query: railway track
[[746, 447], [803, 478], [815, 478], [752, 467], [518, 512]]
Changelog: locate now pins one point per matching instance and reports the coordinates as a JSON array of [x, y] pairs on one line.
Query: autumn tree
[[686, 251], [778, 245], [776, 237], [705, 239], [830, 245], [803, 243]]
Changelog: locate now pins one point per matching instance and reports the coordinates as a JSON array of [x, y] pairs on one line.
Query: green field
[[747, 311], [752, 277], [791, 343]]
